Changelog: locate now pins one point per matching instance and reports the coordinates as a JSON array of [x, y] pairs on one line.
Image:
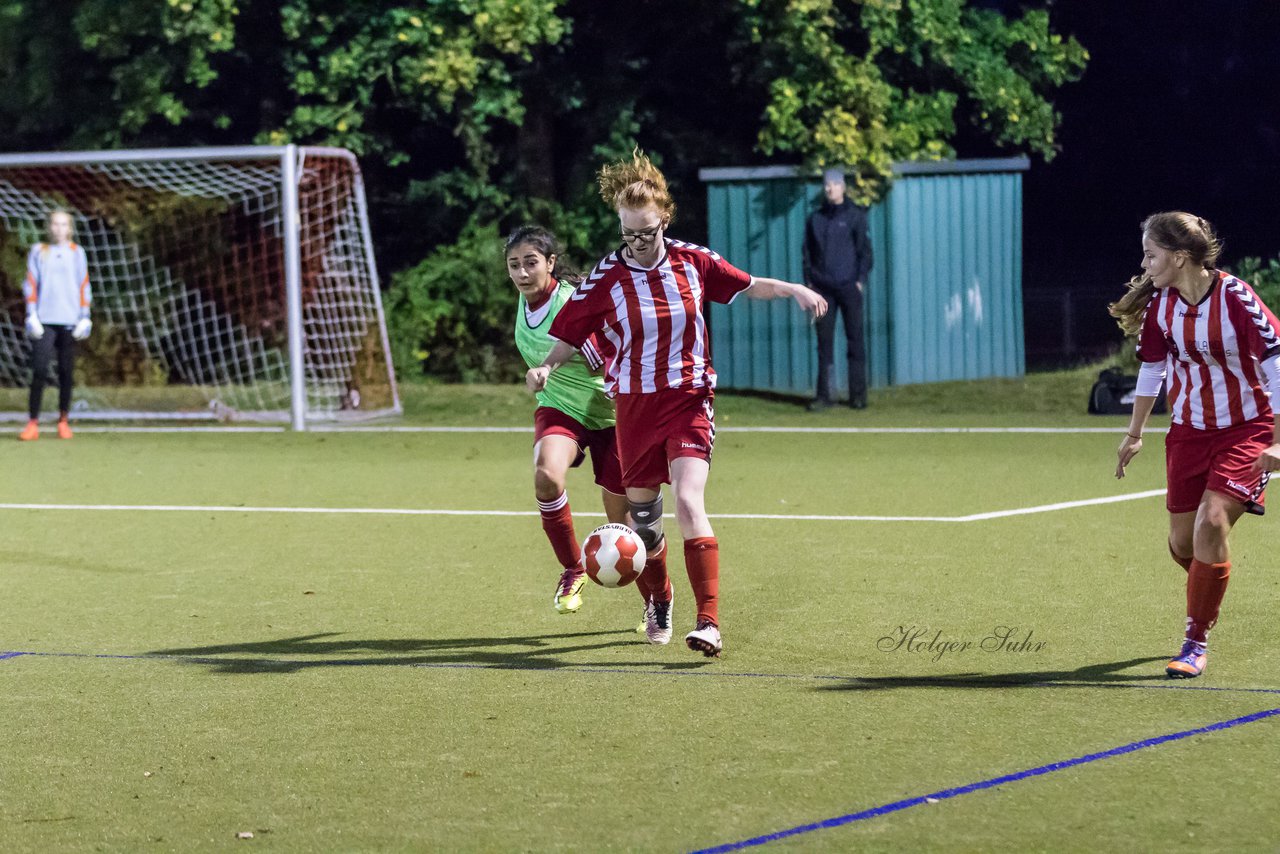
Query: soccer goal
[[228, 283]]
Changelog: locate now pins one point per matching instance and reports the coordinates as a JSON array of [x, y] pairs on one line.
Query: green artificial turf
[[1040, 399], [377, 682]]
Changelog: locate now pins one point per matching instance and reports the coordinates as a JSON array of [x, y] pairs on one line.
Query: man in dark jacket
[[837, 258]]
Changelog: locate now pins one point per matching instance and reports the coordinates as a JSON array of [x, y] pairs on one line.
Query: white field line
[[407, 511], [205, 429], [930, 430], [836, 430], [324, 428]]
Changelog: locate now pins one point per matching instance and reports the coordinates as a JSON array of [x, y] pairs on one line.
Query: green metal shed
[[944, 300]]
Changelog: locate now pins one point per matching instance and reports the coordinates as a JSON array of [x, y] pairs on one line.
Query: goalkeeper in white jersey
[[57, 297], [574, 416]]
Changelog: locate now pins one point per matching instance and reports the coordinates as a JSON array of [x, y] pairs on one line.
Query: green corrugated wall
[[944, 300]]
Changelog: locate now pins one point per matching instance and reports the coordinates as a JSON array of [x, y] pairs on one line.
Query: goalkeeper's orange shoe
[[30, 433], [64, 429]]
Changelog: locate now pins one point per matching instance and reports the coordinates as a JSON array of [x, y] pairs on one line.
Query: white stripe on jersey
[[1219, 392], [679, 319], [654, 337], [715, 256], [699, 352], [1210, 375], [618, 375], [700, 357], [592, 279], [649, 337], [592, 355]]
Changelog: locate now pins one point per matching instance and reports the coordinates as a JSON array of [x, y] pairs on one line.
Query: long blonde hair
[[1176, 231], [636, 183]]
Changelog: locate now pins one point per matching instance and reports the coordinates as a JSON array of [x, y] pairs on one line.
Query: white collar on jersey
[[624, 253], [534, 317]]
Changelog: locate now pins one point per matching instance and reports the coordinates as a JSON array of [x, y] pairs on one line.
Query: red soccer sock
[[1184, 562], [557, 522], [642, 585], [656, 576], [1206, 585], [702, 563]]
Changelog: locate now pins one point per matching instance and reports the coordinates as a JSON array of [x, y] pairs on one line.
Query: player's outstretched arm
[[809, 300], [536, 379]]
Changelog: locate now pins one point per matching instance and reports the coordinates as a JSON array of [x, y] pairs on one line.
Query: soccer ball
[[613, 555]]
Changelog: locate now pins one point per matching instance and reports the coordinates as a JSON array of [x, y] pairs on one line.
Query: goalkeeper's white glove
[[82, 329], [35, 329]]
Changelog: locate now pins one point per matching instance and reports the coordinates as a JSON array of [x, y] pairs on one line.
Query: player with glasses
[[645, 304], [642, 237]]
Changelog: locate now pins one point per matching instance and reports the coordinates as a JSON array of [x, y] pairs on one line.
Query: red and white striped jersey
[[1213, 350], [650, 325]]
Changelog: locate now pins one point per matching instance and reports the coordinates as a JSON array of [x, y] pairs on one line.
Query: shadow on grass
[[1090, 674], [796, 400], [527, 652], [16, 561]]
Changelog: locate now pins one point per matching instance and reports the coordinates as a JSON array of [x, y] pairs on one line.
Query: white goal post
[[228, 283]]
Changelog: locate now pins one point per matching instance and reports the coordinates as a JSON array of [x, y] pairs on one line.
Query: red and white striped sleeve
[[584, 313], [1152, 344], [721, 280], [591, 353], [1256, 325]]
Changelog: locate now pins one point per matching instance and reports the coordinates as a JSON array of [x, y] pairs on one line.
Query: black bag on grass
[[1113, 394]]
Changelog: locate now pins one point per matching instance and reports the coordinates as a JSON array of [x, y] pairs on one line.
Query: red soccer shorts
[[603, 444], [1221, 460], [658, 427]]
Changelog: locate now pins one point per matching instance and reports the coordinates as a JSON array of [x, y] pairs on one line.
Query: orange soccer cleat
[[30, 433], [1190, 662], [64, 429]]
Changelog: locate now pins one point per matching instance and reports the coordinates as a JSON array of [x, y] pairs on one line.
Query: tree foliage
[[471, 116], [157, 52], [827, 82], [98, 73], [449, 62], [863, 86]]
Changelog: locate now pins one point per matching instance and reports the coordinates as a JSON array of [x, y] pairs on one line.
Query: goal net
[[231, 284]]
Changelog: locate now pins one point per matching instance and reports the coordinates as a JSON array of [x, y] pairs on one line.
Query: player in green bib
[[574, 415]]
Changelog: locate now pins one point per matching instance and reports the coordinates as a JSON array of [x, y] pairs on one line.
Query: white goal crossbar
[[235, 283]]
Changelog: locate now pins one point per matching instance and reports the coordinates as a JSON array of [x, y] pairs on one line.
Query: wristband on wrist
[[1131, 436]]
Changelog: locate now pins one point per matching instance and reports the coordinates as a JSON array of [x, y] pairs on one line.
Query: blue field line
[[710, 671], [944, 794]]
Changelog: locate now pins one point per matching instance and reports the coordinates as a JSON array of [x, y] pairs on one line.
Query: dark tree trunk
[[535, 147]]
